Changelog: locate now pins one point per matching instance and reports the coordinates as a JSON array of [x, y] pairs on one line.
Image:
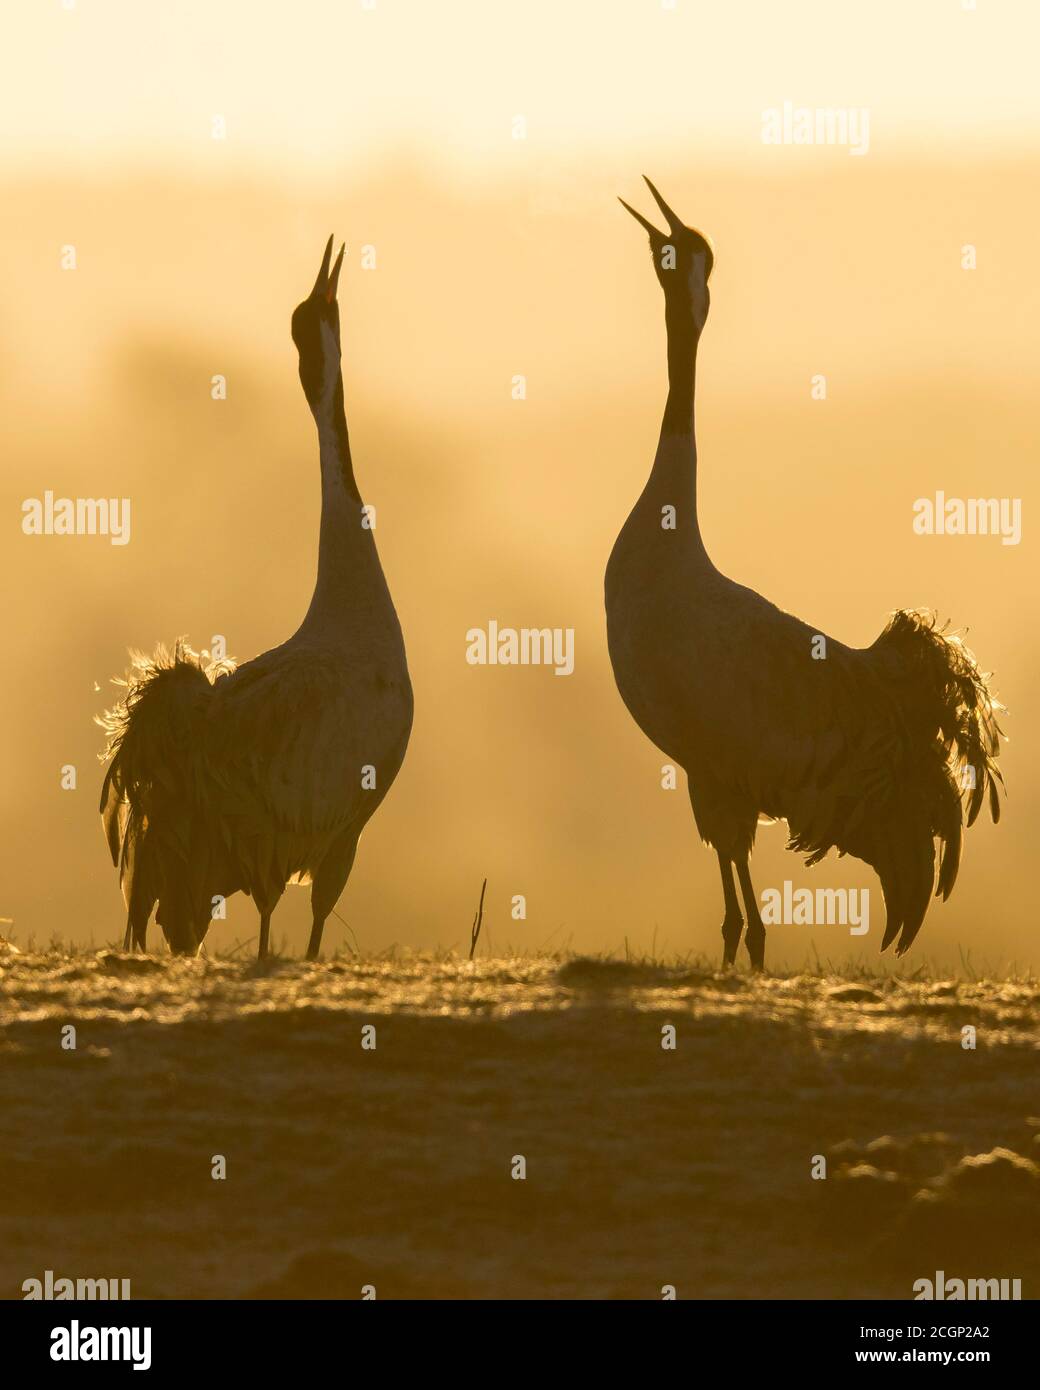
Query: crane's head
[[315, 331], [683, 260]]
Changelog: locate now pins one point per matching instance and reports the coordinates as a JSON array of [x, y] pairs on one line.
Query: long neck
[[673, 480], [682, 369], [337, 466], [346, 547]]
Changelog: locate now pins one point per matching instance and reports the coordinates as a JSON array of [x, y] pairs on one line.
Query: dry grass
[[644, 1166]]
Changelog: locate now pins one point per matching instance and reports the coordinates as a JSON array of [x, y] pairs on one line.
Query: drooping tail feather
[[151, 793], [953, 740]]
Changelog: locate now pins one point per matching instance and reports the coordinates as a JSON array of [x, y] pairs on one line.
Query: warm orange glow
[[497, 257]]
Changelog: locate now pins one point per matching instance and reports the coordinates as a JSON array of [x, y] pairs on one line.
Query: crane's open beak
[[326, 284], [675, 226], [330, 293], [321, 283], [649, 226]]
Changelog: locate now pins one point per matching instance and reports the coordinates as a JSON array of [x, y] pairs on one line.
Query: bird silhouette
[[874, 751], [225, 779]]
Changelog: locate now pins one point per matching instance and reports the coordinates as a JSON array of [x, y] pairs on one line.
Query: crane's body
[[227, 779], [859, 749]]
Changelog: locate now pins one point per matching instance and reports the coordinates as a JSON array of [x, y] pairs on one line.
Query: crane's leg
[[314, 943], [330, 879], [733, 923], [135, 933], [755, 940], [138, 914], [265, 933], [265, 905]]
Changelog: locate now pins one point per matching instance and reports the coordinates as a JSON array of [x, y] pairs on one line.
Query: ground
[[645, 1166]]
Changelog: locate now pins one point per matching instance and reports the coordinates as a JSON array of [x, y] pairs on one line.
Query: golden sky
[[326, 84], [393, 127]]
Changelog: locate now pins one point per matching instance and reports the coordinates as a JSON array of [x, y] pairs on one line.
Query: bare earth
[[645, 1167]]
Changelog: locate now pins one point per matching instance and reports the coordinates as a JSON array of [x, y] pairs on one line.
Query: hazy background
[[392, 127]]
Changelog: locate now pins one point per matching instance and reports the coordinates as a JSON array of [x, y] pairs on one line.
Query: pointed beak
[[675, 225], [330, 293], [649, 226], [322, 282]]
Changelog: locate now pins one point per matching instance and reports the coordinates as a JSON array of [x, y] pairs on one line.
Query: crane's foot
[[731, 930], [265, 935], [314, 944], [755, 941]]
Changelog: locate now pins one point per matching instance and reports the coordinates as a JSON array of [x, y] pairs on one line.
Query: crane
[[874, 751], [224, 778]]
